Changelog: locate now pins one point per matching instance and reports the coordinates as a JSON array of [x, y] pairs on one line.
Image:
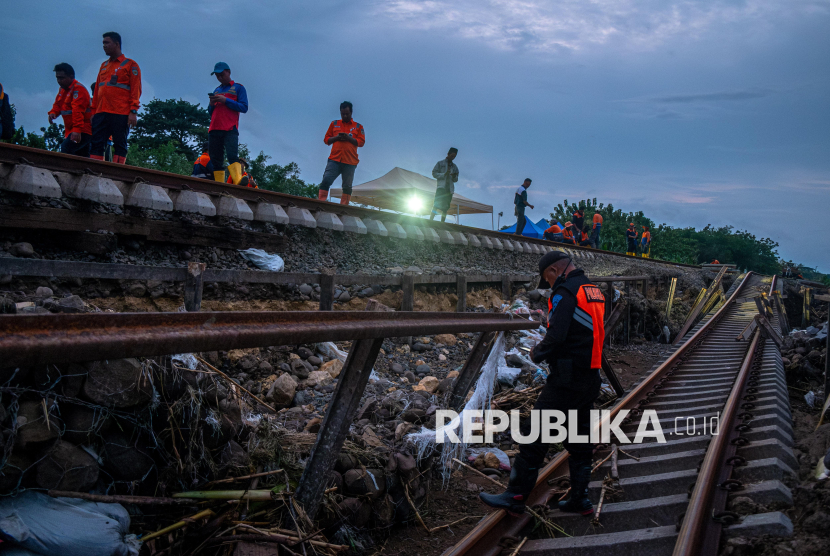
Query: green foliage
[[273, 177], [178, 121], [50, 140], [166, 158]]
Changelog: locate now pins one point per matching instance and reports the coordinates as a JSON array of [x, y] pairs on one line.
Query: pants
[[632, 246], [646, 250], [442, 200], [334, 169], [220, 143], [81, 148], [105, 125], [554, 396], [520, 223], [554, 237], [595, 242]]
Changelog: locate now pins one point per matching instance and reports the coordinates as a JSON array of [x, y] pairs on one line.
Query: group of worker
[[645, 241]]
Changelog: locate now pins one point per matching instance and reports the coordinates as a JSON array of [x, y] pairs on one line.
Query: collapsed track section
[[671, 498]]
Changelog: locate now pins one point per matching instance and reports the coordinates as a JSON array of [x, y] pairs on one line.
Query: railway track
[[159, 190], [673, 494]]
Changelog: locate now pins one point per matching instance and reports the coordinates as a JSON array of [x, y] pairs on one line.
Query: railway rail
[[674, 494], [57, 162]]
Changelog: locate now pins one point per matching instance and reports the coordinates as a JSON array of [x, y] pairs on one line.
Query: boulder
[[33, 432], [427, 384], [318, 378], [43, 291], [360, 482], [282, 391], [123, 459], [118, 383], [332, 367], [22, 249], [81, 423], [67, 467]]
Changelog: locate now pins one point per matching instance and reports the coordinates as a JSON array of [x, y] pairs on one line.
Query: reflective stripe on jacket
[[118, 87], [75, 106]]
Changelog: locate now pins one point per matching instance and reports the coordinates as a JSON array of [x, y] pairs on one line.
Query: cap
[[547, 260], [220, 67]]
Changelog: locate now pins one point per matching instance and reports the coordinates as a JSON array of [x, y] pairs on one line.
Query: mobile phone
[[211, 94]]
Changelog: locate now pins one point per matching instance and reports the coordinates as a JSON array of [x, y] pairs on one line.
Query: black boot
[[578, 502], [522, 480]]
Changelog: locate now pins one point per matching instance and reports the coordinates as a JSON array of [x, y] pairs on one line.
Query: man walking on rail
[[115, 101], [227, 101], [572, 348], [631, 238], [345, 136], [446, 172], [74, 104], [520, 200]]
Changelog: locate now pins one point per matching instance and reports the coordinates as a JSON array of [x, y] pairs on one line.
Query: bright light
[[415, 204]]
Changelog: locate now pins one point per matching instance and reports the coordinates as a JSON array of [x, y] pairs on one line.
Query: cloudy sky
[[696, 112]]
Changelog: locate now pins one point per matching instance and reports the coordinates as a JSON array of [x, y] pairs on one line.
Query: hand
[[75, 137], [531, 206], [220, 98], [132, 119], [52, 117]]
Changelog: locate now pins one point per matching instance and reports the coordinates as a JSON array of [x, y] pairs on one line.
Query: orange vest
[[590, 312]]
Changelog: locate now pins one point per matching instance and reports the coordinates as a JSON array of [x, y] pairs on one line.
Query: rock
[[442, 357], [304, 353], [33, 432], [318, 378], [345, 462], [428, 384], [358, 482], [452, 374], [818, 523], [419, 347], [534, 296], [136, 289], [367, 409], [413, 415], [234, 455], [15, 466], [305, 289], [357, 512], [344, 297], [22, 249], [81, 423], [300, 368], [445, 385], [67, 467], [313, 425], [413, 270], [333, 367], [446, 339], [410, 376], [43, 291], [265, 367], [303, 397], [514, 360], [7, 306], [366, 292], [422, 369], [396, 368], [118, 383], [123, 459], [402, 430], [314, 360], [491, 461], [72, 304], [282, 392]]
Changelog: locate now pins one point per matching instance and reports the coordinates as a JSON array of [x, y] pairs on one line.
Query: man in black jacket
[[572, 347]]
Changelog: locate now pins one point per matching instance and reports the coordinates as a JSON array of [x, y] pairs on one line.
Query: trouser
[[646, 251], [520, 223], [334, 169], [220, 143], [554, 396], [81, 148], [554, 237], [595, 238], [632, 247], [105, 125]]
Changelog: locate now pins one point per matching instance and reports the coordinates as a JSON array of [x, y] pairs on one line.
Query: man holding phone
[[345, 136], [226, 103]]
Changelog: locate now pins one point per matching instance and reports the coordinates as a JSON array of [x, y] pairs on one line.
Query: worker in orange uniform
[[554, 233], [572, 348], [597, 229], [115, 101], [203, 168], [715, 261], [645, 243], [345, 136], [249, 181], [227, 101], [578, 219], [584, 239], [74, 104], [631, 237], [568, 234]]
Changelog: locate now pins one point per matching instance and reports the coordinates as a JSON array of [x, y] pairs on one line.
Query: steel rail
[[693, 537], [483, 539], [59, 162], [44, 339]]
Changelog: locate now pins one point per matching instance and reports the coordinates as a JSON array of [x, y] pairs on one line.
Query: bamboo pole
[[177, 525]]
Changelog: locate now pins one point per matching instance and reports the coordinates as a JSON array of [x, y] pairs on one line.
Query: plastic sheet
[[329, 349], [504, 460], [70, 527], [263, 260]]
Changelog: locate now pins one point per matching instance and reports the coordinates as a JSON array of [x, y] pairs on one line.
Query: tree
[[273, 177], [164, 121], [165, 158], [50, 140]]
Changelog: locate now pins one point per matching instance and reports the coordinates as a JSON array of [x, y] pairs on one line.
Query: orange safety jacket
[[118, 87], [555, 229], [568, 235], [250, 181], [344, 151], [597, 220], [590, 313], [76, 108]]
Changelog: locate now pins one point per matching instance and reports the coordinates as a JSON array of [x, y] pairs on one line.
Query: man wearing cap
[[446, 172], [572, 348], [645, 243], [520, 200], [631, 237], [345, 136], [226, 103]]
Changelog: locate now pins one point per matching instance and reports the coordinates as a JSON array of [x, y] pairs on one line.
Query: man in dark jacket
[[572, 349]]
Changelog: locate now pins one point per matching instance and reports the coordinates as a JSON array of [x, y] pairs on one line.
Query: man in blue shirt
[[226, 103]]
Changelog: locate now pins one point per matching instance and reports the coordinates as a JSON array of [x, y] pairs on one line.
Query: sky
[[695, 112]]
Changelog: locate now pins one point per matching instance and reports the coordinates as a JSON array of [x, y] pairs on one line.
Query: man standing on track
[[645, 243], [345, 136], [631, 238], [520, 200], [446, 172], [572, 348], [226, 103], [74, 104], [115, 101], [597, 229]]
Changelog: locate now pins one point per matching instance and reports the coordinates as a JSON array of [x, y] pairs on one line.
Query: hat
[[547, 260], [220, 67], [630, 224], [568, 224]]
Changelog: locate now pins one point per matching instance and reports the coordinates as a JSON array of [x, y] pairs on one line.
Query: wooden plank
[[193, 284], [805, 309], [611, 375], [103, 271], [408, 302], [461, 292], [326, 292], [822, 297], [670, 300], [698, 307], [506, 288]]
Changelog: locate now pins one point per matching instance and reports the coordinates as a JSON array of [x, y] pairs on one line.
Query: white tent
[[404, 191]]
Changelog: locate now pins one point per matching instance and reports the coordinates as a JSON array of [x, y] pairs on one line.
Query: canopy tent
[[530, 230], [543, 223], [404, 191]]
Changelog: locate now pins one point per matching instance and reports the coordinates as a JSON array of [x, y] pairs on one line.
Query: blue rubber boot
[[580, 477], [513, 500]]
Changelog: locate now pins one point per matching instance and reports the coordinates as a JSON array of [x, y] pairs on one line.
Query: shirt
[[75, 106], [597, 220], [225, 116], [344, 151], [118, 87], [520, 199], [445, 181]]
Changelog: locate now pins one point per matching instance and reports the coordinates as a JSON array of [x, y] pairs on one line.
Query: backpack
[[6, 118]]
